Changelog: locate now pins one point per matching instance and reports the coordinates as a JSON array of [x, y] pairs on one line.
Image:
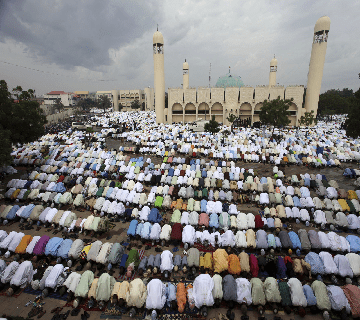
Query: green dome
[[229, 81]]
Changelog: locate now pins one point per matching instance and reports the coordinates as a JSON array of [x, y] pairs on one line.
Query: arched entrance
[[217, 111], [203, 111], [189, 113], [177, 113], [245, 111], [257, 109]]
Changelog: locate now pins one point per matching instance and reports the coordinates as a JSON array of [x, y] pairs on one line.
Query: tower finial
[[229, 69], [185, 60], [157, 27]]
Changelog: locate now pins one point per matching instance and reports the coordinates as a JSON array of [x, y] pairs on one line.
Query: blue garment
[[354, 243], [278, 242], [53, 245], [271, 240], [157, 261], [27, 211], [204, 174], [109, 192], [27, 184], [12, 212], [64, 248], [296, 201], [151, 260], [213, 220], [123, 260], [154, 216], [171, 172], [296, 243], [316, 263], [132, 227], [170, 293], [146, 230], [59, 188], [270, 222], [310, 296], [203, 206], [139, 229]]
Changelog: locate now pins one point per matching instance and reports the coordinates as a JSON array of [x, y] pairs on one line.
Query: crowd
[[189, 198]]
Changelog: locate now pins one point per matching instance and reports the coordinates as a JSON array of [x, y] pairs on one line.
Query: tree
[[58, 105], [308, 119], [231, 118], [20, 122], [86, 103], [104, 102], [135, 104], [212, 126], [275, 112], [352, 122], [335, 101]]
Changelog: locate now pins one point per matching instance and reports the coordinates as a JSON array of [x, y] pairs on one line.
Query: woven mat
[[53, 295], [203, 248], [84, 306], [15, 295], [123, 277]]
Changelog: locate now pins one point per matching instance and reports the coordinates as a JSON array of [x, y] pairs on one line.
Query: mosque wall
[[188, 105]]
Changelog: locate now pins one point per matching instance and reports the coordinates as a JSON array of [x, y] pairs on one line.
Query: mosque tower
[[185, 75], [272, 72], [159, 83], [315, 72]]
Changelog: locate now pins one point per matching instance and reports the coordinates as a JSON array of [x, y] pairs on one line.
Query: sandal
[[41, 314]]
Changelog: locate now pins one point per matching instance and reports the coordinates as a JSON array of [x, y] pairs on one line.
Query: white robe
[[202, 290], [155, 295]]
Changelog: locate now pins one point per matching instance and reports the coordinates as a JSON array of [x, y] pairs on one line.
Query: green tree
[[353, 119], [58, 105], [20, 122], [86, 103], [135, 104], [231, 118], [308, 119], [212, 126], [334, 101], [104, 102], [275, 112]]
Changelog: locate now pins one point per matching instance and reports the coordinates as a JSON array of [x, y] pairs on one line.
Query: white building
[[67, 99]]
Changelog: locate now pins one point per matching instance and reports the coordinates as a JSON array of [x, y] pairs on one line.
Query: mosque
[[230, 95]]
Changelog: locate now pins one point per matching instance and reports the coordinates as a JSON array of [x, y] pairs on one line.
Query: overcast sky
[[103, 45]]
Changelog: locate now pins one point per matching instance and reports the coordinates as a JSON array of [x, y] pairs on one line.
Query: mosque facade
[[231, 96]]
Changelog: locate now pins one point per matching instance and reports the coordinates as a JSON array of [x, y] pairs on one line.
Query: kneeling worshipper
[[155, 295], [320, 290], [188, 236], [119, 293], [244, 292], [166, 265], [171, 295], [7, 274], [258, 295], [220, 260], [217, 291], [338, 300], [22, 277], [352, 293], [297, 295], [229, 287], [272, 292], [202, 292], [71, 284], [136, 295], [104, 289], [55, 279]]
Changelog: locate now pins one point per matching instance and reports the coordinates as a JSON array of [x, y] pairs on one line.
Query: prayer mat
[[83, 305], [15, 295], [53, 295], [203, 248], [124, 277]]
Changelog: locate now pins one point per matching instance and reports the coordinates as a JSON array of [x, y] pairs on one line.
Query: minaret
[[159, 84], [185, 74], [315, 72], [272, 72]]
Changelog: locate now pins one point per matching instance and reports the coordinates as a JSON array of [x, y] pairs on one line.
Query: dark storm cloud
[[75, 33]]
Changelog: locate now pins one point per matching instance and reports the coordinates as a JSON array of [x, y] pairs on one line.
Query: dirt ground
[[15, 306]]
